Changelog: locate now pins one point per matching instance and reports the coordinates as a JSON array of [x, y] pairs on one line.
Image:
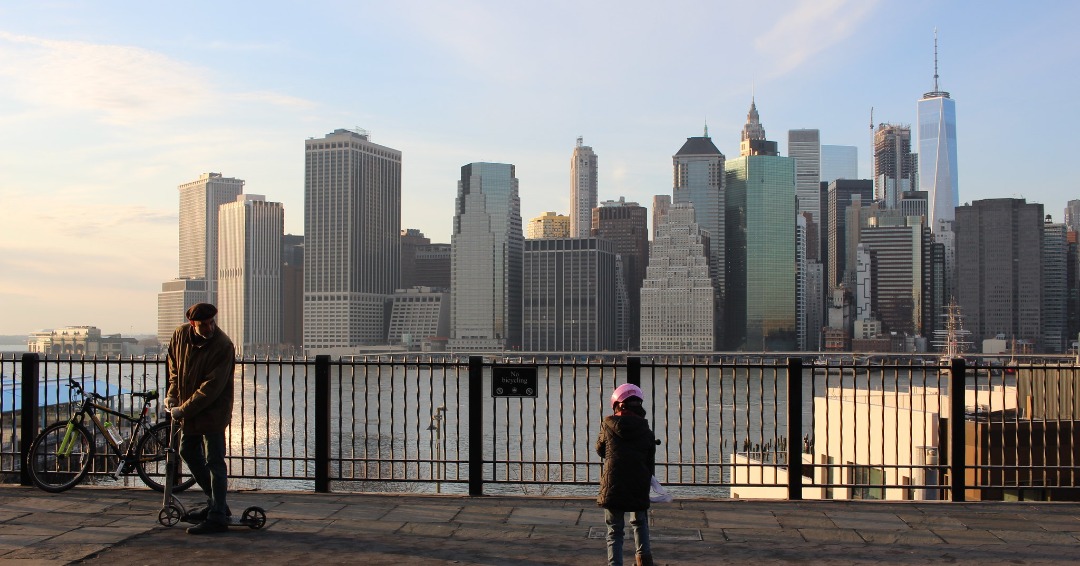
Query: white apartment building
[[352, 232], [199, 203], [250, 231]]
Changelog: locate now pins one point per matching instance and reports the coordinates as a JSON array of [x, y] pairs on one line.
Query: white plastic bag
[[658, 494]]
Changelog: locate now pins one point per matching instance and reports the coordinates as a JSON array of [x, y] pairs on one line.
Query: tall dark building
[[1072, 286], [423, 264], [894, 164], [901, 252], [626, 225], [841, 194], [999, 256], [1055, 287], [292, 291], [567, 304]]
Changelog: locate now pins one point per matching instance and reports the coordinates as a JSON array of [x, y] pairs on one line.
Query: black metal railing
[[729, 426]]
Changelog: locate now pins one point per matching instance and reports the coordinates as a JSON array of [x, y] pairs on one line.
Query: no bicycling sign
[[513, 381]]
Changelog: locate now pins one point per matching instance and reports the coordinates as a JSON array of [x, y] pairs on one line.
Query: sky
[[106, 107]]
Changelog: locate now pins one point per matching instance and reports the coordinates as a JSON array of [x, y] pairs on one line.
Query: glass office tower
[[937, 152], [761, 253], [487, 249]]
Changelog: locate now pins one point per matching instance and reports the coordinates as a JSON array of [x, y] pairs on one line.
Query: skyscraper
[[999, 251], [567, 298], [804, 146], [292, 293], [699, 181], [894, 164], [900, 251], [843, 193], [752, 141], [1055, 287], [839, 162], [486, 264], [625, 224], [199, 202], [250, 231], [937, 152], [677, 296], [352, 230], [582, 190], [1072, 215], [809, 286], [424, 264], [198, 248], [761, 240]]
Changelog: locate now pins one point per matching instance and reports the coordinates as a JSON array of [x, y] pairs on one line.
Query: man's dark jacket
[[628, 447], [201, 379]]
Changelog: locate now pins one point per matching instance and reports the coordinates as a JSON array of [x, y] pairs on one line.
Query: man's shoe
[[202, 513], [208, 526], [197, 516]]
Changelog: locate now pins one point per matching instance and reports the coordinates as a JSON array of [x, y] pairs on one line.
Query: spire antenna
[[935, 62]]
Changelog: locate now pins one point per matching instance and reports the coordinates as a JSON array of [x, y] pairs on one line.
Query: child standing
[[628, 447]]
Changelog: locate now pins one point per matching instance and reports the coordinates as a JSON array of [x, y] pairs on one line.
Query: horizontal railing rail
[[729, 426]]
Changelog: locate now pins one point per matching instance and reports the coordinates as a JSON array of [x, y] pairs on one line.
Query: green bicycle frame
[[68, 443]]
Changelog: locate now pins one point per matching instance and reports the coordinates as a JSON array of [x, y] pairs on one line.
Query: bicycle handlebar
[[75, 386]]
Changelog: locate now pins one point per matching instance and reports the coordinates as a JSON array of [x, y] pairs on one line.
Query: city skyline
[[109, 109]]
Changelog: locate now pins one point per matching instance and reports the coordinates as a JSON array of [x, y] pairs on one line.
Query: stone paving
[[120, 527]]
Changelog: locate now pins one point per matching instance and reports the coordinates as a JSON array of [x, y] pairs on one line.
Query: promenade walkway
[[119, 527]]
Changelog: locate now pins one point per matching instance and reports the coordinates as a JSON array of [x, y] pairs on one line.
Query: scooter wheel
[[170, 516], [254, 517]]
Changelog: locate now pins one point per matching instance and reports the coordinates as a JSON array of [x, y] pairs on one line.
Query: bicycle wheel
[[150, 460], [57, 472]]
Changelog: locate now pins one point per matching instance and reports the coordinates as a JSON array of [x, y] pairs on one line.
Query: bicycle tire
[[150, 460], [55, 473]]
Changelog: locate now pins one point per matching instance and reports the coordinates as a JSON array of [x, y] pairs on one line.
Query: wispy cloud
[[809, 28], [115, 84]]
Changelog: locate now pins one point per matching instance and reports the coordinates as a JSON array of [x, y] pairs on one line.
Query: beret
[[201, 311]]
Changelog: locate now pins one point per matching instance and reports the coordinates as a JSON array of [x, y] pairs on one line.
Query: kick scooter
[[172, 511]]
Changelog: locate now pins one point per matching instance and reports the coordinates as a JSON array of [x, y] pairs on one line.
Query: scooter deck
[[251, 522], [252, 517]]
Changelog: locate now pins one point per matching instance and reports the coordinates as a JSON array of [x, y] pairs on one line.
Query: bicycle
[[62, 453]]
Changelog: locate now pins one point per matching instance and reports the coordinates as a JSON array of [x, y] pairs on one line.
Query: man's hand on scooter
[[172, 406]]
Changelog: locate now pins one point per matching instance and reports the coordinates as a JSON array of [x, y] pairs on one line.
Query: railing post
[[957, 436], [322, 424], [476, 426], [633, 370], [29, 429], [795, 430]]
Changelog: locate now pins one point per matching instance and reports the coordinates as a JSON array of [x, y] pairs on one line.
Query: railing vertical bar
[[957, 448], [794, 417], [476, 424], [30, 379], [322, 424]]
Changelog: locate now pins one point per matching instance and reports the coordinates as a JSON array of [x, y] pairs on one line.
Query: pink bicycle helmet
[[624, 392]]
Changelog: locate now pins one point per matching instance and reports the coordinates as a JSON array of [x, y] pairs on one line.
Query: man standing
[[200, 361]]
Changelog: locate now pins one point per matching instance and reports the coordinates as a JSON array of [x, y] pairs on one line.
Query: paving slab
[[544, 516], [881, 520]]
